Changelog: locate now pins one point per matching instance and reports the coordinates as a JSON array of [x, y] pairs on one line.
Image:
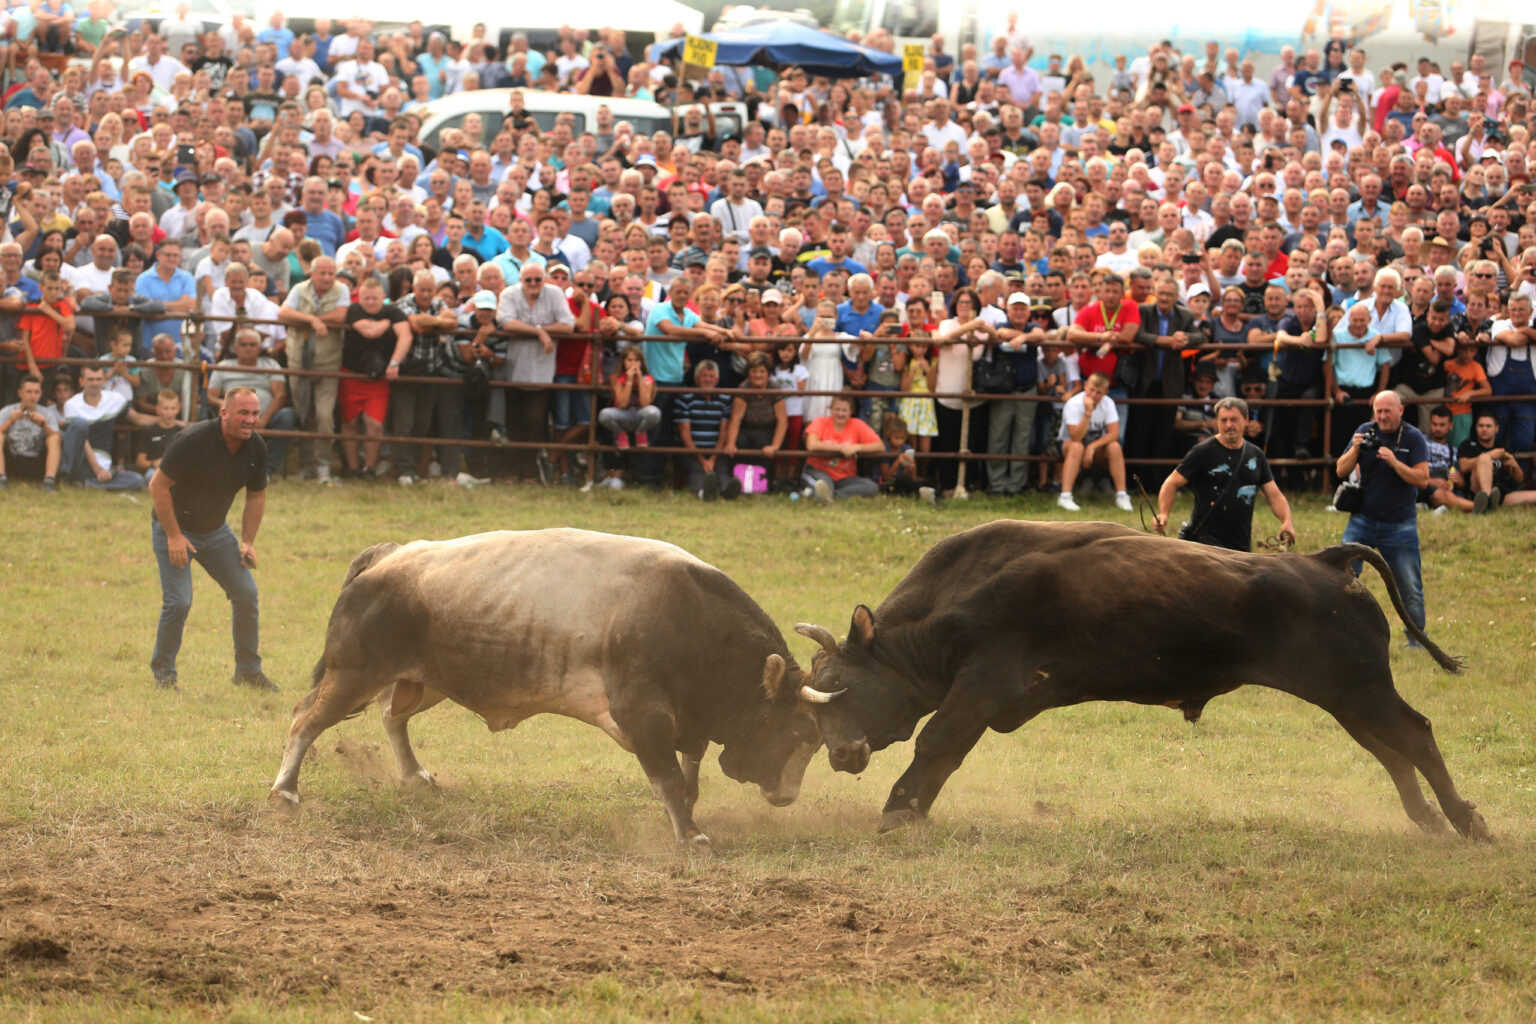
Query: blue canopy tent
[[781, 44]]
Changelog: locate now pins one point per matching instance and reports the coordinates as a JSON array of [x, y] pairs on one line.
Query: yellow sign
[[699, 52], [912, 64]]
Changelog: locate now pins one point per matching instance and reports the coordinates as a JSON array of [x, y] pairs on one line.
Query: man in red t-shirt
[[835, 443], [1102, 324]]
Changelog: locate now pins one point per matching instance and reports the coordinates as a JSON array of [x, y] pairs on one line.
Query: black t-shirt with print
[[1223, 515]]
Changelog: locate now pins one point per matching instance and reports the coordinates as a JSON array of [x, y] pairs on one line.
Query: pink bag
[[754, 479]]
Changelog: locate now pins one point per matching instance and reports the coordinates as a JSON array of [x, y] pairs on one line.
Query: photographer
[[1393, 459]]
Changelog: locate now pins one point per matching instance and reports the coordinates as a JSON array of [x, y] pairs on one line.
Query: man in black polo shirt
[[1226, 473], [202, 471]]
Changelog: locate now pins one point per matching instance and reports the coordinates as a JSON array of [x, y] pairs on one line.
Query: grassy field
[[1104, 863]]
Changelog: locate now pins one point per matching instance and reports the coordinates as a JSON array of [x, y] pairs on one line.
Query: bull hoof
[[283, 801], [421, 780], [1475, 828], [701, 842], [893, 820]]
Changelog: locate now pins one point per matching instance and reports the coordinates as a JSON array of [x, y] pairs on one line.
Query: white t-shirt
[[1121, 263], [1103, 415], [110, 405], [361, 77], [1498, 355]]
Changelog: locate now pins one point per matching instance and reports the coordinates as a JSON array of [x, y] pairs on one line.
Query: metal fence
[[598, 388]]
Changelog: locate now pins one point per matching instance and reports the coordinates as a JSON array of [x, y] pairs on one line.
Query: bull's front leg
[[653, 732], [972, 702]]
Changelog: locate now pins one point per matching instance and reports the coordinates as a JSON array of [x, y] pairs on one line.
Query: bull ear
[[862, 629], [773, 676]]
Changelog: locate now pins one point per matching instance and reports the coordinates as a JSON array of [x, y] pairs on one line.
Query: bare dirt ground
[[247, 904]]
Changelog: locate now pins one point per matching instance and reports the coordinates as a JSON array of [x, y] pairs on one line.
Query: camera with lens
[[1370, 438]]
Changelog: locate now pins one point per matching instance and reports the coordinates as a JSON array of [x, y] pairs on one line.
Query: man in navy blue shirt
[[1394, 466]]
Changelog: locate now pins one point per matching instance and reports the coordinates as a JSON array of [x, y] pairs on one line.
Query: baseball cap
[[1186, 108], [1019, 299], [1199, 289], [646, 160], [185, 176], [557, 268], [1442, 240], [772, 295], [484, 300], [760, 252]]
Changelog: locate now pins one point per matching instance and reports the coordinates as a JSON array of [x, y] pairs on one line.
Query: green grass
[[1103, 863]]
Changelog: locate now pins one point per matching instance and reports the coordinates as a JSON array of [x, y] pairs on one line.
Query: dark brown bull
[[997, 624]]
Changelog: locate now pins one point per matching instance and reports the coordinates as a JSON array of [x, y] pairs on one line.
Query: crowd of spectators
[[1004, 223]]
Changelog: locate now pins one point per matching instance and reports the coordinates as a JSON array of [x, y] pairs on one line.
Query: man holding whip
[[1226, 472]]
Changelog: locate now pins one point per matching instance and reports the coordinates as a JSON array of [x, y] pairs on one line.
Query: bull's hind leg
[[397, 705], [1404, 777], [1403, 729], [338, 694]]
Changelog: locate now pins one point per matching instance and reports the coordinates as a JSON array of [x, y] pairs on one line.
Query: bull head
[[828, 642]]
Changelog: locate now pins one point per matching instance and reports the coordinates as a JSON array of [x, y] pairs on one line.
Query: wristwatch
[[395, 363]]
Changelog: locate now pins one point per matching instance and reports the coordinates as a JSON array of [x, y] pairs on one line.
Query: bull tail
[[1341, 555]]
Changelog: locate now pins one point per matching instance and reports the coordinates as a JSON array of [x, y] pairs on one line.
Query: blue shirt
[[1357, 210], [152, 286], [1353, 366], [1387, 497], [281, 37], [489, 245], [30, 289], [429, 66], [327, 229], [850, 321], [822, 264], [665, 358]]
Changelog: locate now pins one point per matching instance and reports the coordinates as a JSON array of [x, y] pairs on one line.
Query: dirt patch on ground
[[168, 920]]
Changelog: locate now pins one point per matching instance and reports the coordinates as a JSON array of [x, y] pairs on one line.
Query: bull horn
[[813, 696], [820, 634]]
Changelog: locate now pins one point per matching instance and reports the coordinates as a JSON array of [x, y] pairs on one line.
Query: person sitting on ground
[[1090, 436], [90, 421], [701, 417], [1493, 475], [834, 443], [156, 438], [897, 470], [634, 395], [31, 437], [758, 421], [1444, 476]]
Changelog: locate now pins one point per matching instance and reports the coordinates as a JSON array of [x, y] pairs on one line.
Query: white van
[[492, 105]]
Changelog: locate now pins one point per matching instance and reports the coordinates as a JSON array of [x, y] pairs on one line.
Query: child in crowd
[[155, 439], [790, 374], [1465, 379]]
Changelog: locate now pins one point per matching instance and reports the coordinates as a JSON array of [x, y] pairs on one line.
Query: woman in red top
[[835, 443]]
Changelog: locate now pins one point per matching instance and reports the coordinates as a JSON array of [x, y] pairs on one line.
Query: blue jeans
[[218, 551], [277, 447], [1517, 420], [1399, 545]]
